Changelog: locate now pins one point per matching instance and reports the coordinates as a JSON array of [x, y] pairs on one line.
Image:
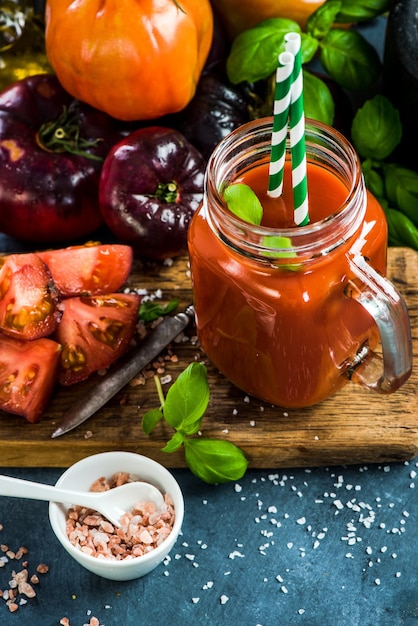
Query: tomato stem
[[63, 135], [168, 192], [177, 4], [159, 391]]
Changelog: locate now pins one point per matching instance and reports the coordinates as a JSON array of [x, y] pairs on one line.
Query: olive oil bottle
[[22, 40]]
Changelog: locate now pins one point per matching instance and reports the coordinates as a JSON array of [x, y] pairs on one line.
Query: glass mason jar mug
[[290, 313]]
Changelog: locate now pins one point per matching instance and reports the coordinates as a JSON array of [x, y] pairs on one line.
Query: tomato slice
[[28, 373], [29, 302], [94, 332], [92, 269]]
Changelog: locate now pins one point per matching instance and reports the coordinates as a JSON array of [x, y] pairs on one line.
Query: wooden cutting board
[[352, 427]]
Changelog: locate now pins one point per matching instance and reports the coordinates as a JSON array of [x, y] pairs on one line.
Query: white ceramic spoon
[[113, 504]]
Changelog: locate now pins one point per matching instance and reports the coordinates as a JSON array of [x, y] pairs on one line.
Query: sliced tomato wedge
[[92, 269], [28, 373], [29, 302], [94, 332]]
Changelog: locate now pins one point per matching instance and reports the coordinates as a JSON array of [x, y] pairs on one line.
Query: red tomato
[[28, 299], [94, 332], [92, 269], [136, 60], [239, 15], [27, 375]]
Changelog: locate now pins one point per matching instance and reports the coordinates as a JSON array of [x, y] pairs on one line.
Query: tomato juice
[[326, 195], [286, 333]]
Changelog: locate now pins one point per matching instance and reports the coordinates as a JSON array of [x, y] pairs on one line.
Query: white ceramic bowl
[[82, 474]]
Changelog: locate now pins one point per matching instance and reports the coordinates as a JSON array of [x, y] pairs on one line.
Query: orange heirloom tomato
[[239, 15], [132, 59]]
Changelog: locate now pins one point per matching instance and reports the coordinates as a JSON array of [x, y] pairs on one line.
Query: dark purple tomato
[[150, 187], [52, 149], [216, 109]]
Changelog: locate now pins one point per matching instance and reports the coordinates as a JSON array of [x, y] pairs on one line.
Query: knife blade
[[124, 371]]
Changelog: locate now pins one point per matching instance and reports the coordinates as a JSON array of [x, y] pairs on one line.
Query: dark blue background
[[330, 534]]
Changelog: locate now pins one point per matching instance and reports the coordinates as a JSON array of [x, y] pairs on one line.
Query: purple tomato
[[52, 149], [151, 185]]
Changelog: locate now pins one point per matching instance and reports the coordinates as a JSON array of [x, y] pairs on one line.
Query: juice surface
[[283, 336], [326, 194]]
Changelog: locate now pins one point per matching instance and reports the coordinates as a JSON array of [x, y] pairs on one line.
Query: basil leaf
[[361, 10], [376, 129], [174, 443], [187, 399], [373, 179], [317, 99], [243, 202], [401, 230], [277, 247], [150, 420], [254, 52], [151, 310], [402, 189], [321, 20], [349, 59], [309, 47], [215, 461]]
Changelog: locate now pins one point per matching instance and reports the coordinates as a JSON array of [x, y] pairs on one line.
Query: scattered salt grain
[[224, 599], [236, 553]]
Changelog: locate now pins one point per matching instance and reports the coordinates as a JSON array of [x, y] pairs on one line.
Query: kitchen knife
[[125, 370]]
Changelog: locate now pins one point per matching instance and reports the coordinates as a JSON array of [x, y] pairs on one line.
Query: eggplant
[[216, 109]]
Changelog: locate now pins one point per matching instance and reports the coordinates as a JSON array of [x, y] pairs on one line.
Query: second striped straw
[[289, 109]]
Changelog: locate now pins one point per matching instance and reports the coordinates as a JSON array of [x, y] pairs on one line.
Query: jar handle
[[384, 303]]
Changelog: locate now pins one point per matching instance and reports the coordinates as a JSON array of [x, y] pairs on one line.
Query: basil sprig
[[349, 59], [151, 310], [212, 460], [376, 131]]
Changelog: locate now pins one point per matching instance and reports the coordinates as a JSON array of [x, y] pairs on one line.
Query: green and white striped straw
[[297, 133], [280, 120]]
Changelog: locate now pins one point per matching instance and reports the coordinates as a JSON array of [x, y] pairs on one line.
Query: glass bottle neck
[[249, 147]]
